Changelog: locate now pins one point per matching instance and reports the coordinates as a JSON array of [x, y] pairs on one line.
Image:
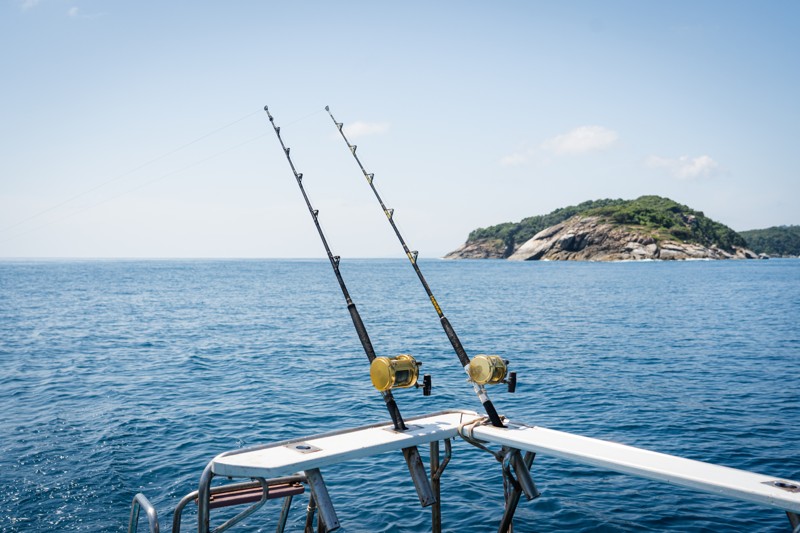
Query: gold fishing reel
[[491, 370], [398, 372]]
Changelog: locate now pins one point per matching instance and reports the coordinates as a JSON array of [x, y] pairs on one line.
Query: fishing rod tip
[[266, 108], [327, 108]]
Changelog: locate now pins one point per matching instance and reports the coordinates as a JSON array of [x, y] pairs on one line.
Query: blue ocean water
[[128, 376]]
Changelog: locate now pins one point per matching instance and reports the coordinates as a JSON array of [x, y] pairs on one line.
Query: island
[[777, 241], [649, 227]]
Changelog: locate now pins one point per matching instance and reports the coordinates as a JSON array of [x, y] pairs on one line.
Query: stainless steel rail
[[223, 489], [140, 501]]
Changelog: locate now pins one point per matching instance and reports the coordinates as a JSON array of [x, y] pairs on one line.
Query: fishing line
[[303, 117], [128, 173], [361, 329], [463, 358], [386, 373], [134, 189]]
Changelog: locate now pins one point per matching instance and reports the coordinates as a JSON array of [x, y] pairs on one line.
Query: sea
[[128, 376]]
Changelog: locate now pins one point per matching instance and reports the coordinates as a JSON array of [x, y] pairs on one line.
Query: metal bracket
[[522, 470], [522, 484], [419, 477], [794, 520], [437, 469], [327, 514]]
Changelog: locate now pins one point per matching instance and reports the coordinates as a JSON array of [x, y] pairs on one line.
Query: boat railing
[[140, 501], [256, 492], [299, 462]]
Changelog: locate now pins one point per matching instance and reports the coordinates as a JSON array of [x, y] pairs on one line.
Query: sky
[[137, 130]]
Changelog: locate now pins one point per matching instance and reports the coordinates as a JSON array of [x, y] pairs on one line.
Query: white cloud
[[577, 141], [28, 4], [73, 12], [518, 158], [685, 167], [581, 140], [362, 129]]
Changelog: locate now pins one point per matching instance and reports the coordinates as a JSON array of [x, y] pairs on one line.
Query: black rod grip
[[494, 418], [459, 349], [361, 330], [394, 412]]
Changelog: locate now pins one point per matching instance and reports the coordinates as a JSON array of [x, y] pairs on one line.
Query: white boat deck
[[288, 457], [706, 477]]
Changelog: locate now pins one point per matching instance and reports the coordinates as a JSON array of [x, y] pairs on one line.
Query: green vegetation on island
[[661, 218], [508, 235], [781, 241]]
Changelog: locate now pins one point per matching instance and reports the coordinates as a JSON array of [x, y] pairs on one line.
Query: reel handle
[[512, 382], [426, 385]]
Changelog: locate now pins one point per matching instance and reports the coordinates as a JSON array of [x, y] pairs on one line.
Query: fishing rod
[[386, 373], [483, 369], [402, 373]]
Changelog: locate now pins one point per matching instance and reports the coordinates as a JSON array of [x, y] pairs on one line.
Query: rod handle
[[494, 418]]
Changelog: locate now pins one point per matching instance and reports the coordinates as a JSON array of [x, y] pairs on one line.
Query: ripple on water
[[121, 377]]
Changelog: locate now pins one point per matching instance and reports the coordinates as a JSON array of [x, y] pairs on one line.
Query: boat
[[294, 468], [284, 469]]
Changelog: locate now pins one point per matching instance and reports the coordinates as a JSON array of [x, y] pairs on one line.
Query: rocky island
[[649, 227]]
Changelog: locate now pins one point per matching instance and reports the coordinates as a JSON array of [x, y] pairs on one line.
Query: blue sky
[[135, 129]]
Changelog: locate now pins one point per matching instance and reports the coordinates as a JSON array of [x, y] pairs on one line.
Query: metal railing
[[237, 493], [140, 501]]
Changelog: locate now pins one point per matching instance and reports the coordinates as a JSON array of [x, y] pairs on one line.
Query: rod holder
[[319, 491], [522, 470], [419, 477]]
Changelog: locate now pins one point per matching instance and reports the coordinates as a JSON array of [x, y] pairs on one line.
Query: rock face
[[485, 249], [586, 238]]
